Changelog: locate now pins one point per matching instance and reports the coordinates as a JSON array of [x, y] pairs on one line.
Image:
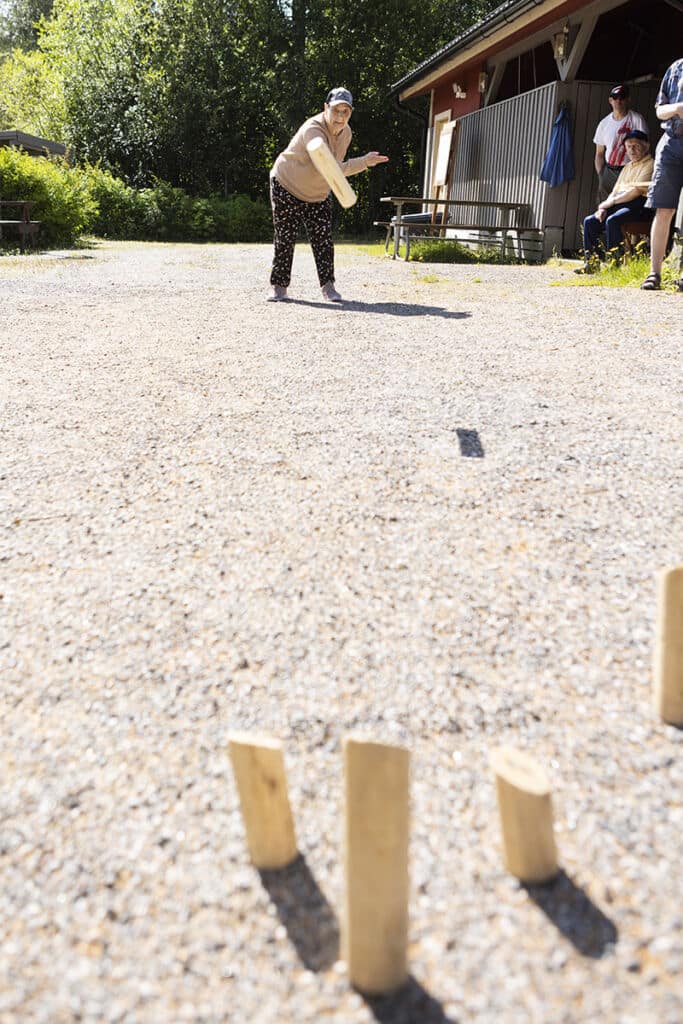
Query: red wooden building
[[505, 79]]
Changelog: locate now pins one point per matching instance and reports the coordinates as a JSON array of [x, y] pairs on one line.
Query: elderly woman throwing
[[299, 192]]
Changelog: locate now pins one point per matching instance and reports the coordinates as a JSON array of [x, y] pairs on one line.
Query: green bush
[[241, 219], [74, 201], [120, 211], [436, 251], [63, 200], [170, 214]]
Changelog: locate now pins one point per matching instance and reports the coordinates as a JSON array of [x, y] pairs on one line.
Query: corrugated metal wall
[[501, 148], [500, 151]]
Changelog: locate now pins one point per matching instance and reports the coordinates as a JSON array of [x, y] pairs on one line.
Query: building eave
[[503, 27]]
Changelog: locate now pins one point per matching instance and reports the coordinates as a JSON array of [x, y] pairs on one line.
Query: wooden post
[[375, 926], [259, 767], [526, 815], [669, 647]]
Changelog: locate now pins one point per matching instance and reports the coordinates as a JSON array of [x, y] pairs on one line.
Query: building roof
[[504, 14], [31, 143], [654, 27]]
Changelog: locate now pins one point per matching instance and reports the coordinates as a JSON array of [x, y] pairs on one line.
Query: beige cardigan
[[294, 168]]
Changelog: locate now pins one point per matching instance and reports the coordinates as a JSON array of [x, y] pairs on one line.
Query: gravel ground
[[435, 514]]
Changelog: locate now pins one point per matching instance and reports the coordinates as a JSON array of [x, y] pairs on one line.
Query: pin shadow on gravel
[[305, 912], [470, 443], [573, 912], [385, 308], [313, 929], [411, 1004]]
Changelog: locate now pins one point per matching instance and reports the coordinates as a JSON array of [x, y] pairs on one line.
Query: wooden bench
[[26, 228], [410, 222], [524, 241]]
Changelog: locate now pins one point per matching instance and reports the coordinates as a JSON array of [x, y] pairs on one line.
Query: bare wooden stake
[[669, 647], [259, 767], [526, 815], [375, 925]]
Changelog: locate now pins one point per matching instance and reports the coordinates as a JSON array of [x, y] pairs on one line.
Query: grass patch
[[369, 248], [623, 275], [437, 251], [429, 278]]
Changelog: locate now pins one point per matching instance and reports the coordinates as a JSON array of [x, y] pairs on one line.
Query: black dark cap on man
[[619, 92], [335, 96], [636, 134]]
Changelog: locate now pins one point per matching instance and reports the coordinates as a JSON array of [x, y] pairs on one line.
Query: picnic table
[[26, 227], [504, 228]]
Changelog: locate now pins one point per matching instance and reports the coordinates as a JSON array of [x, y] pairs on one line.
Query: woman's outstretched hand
[[375, 158]]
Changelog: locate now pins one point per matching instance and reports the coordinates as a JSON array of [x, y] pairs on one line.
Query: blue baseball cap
[[336, 96]]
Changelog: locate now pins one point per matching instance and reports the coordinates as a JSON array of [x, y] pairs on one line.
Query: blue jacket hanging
[[558, 165]]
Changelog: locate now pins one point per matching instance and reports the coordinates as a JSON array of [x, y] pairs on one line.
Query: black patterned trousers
[[288, 212]]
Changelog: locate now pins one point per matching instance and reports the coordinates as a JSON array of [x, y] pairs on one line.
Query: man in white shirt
[[610, 151]]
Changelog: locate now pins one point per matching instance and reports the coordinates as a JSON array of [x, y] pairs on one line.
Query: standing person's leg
[[287, 210], [665, 190], [659, 236], [318, 221]]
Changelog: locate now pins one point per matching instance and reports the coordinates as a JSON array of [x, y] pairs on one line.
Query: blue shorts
[[667, 177]]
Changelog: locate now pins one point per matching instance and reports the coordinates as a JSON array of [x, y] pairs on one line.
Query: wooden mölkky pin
[[259, 768], [526, 815], [668, 659], [375, 921]]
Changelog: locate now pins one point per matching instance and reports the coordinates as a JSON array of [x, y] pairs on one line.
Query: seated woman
[[625, 202]]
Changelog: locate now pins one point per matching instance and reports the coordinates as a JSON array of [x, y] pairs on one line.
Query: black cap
[[636, 134], [619, 92]]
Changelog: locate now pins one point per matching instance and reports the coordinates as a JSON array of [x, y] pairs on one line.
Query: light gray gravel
[[219, 513]]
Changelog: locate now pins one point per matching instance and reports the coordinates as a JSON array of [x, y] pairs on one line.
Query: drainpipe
[[424, 120]]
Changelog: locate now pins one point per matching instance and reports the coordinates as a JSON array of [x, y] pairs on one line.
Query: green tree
[[368, 47], [102, 50], [181, 89], [204, 93], [19, 21], [31, 95], [220, 69]]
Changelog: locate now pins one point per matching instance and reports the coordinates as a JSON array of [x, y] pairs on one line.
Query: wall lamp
[[559, 42]]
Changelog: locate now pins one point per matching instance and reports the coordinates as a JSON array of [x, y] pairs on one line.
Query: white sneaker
[[277, 294], [330, 292]]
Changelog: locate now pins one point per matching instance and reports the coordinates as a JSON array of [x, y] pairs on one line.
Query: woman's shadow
[[385, 308]]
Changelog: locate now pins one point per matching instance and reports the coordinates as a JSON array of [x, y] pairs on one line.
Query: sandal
[[652, 283], [680, 285]]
